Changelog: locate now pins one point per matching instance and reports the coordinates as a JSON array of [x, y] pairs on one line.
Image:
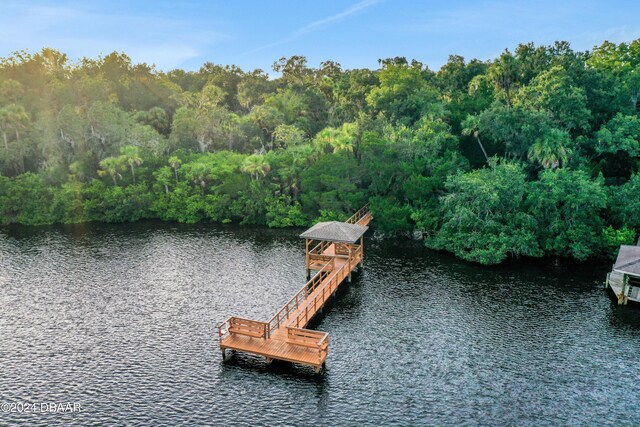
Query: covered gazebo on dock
[[330, 240]]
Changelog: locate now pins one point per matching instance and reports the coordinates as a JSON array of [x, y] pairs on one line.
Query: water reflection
[[625, 319], [121, 318]]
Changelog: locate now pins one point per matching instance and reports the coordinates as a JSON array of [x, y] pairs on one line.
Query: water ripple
[[121, 320]]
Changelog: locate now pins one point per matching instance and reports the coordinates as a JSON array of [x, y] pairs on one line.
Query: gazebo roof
[[628, 260], [335, 231]]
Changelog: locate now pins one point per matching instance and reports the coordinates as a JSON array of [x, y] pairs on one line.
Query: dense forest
[[532, 154]]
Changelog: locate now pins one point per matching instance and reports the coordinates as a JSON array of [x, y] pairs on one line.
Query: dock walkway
[[339, 251]]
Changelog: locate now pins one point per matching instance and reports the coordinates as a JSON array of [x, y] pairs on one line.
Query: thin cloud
[[335, 18], [80, 32], [316, 25]]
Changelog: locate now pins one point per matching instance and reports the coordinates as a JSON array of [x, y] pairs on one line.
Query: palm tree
[[337, 139], [470, 126], [4, 126], [255, 165], [504, 74], [111, 166], [552, 150], [18, 118], [342, 143], [131, 155], [302, 156], [12, 117], [199, 174], [175, 163]]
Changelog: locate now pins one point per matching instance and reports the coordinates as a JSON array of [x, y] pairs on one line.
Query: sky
[[355, 33]]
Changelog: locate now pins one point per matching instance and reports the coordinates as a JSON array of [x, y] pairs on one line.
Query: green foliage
[[335, 140], [256, 166], [116, 204], [612, 239], [623, 62], [350, 93], [332, 184], [112, 167], [27, 199], [567, 206], [554, 91], [624, 204], [282, 213], [108, 140], [156, 118], [287, 136], [390, 216], [326, 215], [513, 129], [552, 149], [411, 163], [504, 73], [621, 133], [68, 204], [183, 204], [404, 95], [484, 218]]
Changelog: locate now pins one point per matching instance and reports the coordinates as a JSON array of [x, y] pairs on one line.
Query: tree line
[[534, 153]]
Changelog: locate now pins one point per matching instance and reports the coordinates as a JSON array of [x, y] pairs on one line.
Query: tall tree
[[131, 156], [404, 94], [554, 91], [505, 74], [471, 126], [175, 162]]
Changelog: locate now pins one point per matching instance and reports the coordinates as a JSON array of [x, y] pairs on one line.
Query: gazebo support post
[[350, 255], [307, 241]]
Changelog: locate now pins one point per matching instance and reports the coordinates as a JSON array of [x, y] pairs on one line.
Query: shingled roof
[[335, 231], [628, 260]]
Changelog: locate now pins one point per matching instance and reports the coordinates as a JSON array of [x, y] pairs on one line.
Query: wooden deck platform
[[284, 336]]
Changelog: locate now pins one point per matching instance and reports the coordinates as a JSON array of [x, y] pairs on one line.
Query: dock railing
[[317, 262], [292, 305], [320, 247], [310, 339], [343, 249], [246, 327], [361, 213], [256, 329], [311, 307], [223, 329]]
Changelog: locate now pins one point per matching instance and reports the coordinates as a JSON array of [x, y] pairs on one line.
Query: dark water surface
[[120, 319]]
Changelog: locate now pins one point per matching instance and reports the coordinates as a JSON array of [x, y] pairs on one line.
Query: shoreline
[[416, 244]]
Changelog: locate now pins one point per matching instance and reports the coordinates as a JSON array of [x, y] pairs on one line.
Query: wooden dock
[[333, 250]]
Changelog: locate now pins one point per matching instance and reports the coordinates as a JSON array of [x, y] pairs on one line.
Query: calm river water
[[120, 320]]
